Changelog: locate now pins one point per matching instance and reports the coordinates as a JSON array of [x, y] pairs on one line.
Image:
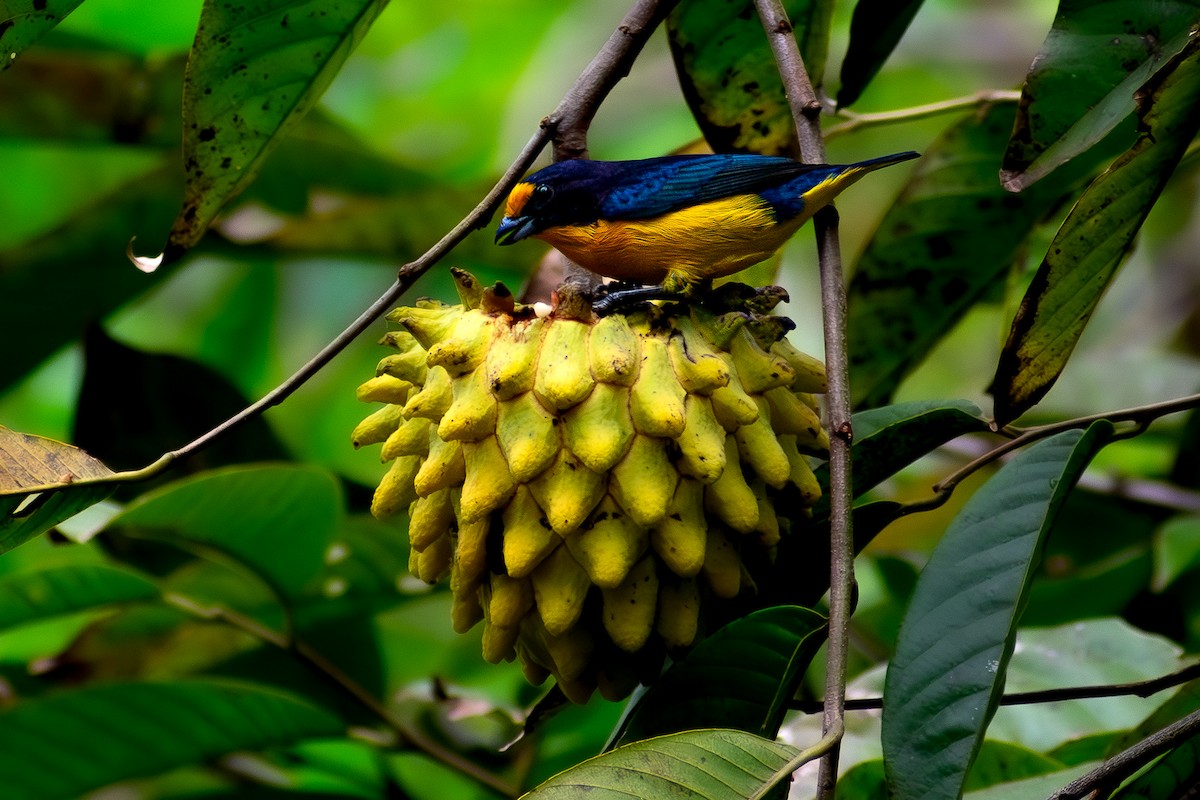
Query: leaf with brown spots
[[728, 73], [40, 485], [255, 69], [1095, 238], [23, 22], [946, 243], [1081, 85]]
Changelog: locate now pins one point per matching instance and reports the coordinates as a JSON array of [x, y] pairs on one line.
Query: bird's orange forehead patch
[[517, 199]]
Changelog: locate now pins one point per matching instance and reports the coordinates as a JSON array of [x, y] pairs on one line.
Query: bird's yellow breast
[[708, 240]]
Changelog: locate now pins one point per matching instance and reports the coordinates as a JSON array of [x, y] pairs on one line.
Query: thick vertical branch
[[806, 109]]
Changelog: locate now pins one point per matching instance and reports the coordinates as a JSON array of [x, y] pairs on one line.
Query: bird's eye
[[541, 194]]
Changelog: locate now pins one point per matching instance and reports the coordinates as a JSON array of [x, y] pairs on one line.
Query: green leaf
[[23, 22], [139, 729], [889, 438], [1095, 238], [946, 677], [728, 72], [740, 677], [31, 596], [276, 520], [938, 251], [1082, 83], [875, 30], [716, 764], [255, 69], [38, 485]]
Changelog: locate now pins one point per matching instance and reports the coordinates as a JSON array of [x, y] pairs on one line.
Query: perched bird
[[675, 220]]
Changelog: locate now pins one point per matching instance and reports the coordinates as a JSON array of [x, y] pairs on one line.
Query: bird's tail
[[883, 161]]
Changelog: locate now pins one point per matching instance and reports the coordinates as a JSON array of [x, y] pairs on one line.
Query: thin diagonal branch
[[806, 109]]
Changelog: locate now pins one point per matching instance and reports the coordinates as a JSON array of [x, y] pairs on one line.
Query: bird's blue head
[[565, 193]]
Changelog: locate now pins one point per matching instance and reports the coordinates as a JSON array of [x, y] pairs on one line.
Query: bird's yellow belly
[[704, 241]]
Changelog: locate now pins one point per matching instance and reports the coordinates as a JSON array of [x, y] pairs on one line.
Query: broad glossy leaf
[[255, 69], [875, 30], [890, 438], [1082, 83], [946, 243], [1094, 239], [38, 485], [31, 596], [276, 520], [706, 764], [137, 729], [23, 22], [728, 72], [742, 677], [946, 677]]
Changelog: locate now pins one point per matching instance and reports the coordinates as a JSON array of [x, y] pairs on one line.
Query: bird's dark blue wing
[[654, 186]]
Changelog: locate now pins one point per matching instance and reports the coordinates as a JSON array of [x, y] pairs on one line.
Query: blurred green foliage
[[177, 607]]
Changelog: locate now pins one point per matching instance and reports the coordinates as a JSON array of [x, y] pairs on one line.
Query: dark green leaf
[[276, 520], [36, 485], [728, 72], [1094, 239], [23, 22], [30, 596], [890, 438], [178, 401], [875, 29], [946, 677], [938, 251], [707, 764], [1082, 83], [138, 729], [740, 677], [255, 69]]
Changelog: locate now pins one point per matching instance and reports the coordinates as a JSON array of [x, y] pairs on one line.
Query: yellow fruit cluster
[[587, 483]]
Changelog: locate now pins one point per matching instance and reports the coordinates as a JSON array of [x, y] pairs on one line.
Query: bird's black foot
[[611, 299]]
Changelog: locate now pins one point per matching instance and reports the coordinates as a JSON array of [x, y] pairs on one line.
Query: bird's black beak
[[514, 229]]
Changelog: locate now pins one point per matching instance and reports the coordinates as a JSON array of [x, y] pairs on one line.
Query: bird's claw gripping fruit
[[590, 484]]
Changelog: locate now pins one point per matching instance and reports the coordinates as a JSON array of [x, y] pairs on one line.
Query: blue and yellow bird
[[675, 220]]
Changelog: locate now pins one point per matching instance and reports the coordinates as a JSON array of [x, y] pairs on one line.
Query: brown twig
[[1132, 689], [1109, 775], [806, 110]]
